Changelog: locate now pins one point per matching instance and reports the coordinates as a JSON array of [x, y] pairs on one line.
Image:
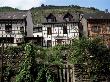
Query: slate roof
[[12, 15], [59, 18], [96, 16]]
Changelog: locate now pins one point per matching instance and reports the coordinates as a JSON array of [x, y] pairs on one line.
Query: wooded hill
[[39, 12]]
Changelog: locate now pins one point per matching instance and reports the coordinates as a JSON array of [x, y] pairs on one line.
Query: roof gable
[[60, 18], [68, 17], [50, 16]]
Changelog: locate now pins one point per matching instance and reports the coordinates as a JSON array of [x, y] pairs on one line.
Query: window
[[37, 29], [8, 28], [7, 39], [18, 40], [96, 29], [22, 29], [65, 30], [40, 29], [49, 43], [109, 28], [51, 20], [67, 19], [49, 31], [59, 41]]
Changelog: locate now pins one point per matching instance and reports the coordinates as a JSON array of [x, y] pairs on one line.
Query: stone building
[[96, 25]]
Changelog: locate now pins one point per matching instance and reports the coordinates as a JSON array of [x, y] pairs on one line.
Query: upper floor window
[[22, 29], [108, 28], [49, 31], [65, 30], [8, 28], [37, 29], [96, 29]]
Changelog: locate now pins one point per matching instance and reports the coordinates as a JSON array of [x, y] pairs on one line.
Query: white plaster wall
[[72, 29], [37, 34], [15, 31]]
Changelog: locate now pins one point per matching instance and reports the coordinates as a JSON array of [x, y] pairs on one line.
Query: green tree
[[27, 72], [94, 55]]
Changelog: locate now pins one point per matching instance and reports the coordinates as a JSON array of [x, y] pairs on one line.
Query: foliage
[[14, 50], [8, 73], [27, 70], [39, 63], [8, 9], [93, 54], [45, 74], [32, 68]]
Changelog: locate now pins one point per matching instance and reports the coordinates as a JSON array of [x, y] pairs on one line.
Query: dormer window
[[68, 17], [51, 18]]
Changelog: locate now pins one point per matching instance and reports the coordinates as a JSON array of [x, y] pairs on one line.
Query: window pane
[[49, 31], [65, 30], [49, 43], [95, 29], [8, 28]]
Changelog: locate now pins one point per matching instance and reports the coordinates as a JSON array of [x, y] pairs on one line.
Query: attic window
[[90, 17], [51, 20], [9, 16], [24, 15], [67, 19]]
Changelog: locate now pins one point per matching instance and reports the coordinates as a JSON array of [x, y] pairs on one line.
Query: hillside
[[8, 9], [39, 12]]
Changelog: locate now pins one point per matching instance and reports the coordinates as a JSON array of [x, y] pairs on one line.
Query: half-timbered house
[[37, 33], [15, 26], [96, 25], [59, 29]]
